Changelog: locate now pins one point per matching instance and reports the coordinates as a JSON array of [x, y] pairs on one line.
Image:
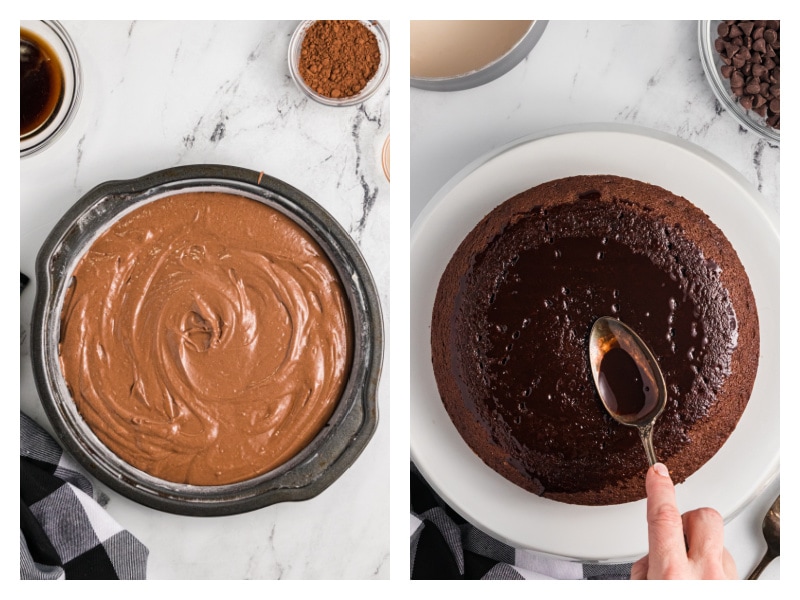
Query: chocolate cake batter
[[206, 338], [511, 326]]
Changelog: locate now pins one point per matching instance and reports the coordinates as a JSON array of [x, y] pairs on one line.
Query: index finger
[[664, 523]]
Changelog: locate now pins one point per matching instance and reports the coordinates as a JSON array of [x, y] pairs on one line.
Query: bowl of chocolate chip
[[741, 60], [207, 340]]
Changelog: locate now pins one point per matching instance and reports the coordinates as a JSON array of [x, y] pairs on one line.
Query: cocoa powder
[[338, 58]]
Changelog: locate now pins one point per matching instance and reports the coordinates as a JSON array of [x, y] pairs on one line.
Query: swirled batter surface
[[206, 338]]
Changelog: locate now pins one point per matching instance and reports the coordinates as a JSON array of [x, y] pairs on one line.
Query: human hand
[[681, 547]]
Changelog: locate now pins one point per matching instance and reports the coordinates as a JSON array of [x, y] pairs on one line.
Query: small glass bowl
[[56, 36], [707, 33], [385, 158], [489, 72], [295, 44]]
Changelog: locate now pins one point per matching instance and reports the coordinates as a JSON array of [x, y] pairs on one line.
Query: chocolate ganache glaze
[[206, 338], [511, 326]]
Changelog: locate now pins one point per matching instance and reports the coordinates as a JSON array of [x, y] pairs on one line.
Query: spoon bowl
[[627, 377], [772, 535]]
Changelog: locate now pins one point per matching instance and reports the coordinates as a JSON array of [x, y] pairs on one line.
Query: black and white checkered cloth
[[63, 532], [446, 546]]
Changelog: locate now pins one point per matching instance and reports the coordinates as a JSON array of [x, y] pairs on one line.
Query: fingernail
[[661, 469]]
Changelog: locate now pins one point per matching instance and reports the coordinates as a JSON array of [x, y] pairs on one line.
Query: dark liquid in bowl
[[41, 82]]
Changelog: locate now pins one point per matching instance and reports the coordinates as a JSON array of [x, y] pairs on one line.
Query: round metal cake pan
[[497, 68], [324, 459]]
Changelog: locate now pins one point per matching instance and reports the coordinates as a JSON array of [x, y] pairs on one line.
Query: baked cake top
[[511, 325]]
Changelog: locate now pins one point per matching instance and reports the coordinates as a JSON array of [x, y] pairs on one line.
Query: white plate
[[742, 468]]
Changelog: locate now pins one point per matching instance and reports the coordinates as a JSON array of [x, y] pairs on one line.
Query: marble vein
[[758, 152], [369, 193], [384, 560], [219, 129], [78, 157]]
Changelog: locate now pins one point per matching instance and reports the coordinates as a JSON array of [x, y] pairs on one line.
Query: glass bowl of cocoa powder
[[746, 83], [339, 63]]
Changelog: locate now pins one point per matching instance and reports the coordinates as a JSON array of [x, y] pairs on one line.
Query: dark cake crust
[[552, 260]]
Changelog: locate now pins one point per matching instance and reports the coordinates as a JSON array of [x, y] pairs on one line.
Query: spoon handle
[[646, 433], [765, 560]]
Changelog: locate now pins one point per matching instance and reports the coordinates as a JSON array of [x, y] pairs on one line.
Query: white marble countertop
[[162, 94], [646, 73]]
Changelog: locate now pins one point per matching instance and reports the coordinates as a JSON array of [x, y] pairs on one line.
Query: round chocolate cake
[[511, 324]]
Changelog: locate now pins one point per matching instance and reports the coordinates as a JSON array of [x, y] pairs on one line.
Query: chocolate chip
[[750, 51]]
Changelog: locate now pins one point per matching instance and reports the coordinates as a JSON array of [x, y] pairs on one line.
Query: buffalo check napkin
[[445, 546], [63, 532]]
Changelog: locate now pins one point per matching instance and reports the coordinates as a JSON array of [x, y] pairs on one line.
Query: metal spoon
[[627, 377], [772, 533]]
